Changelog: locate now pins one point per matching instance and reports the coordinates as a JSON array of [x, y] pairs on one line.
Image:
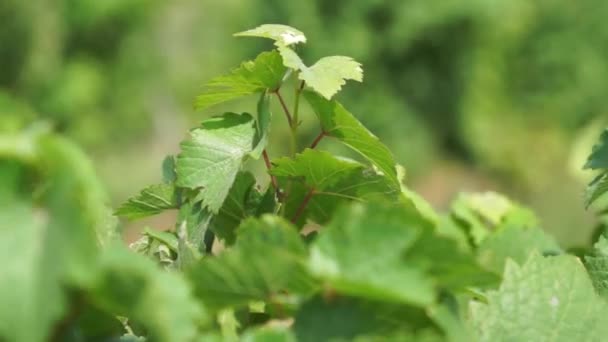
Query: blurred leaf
[[515, 243], [281, 34], [337, 122], [268, 334], [540, 301], [264, 73], [150, 201], [596, 189], [266, 262], [371, 264], [169, 175], [597, 265], [131, 286], [599, 156], [350, 319], [212, 156]]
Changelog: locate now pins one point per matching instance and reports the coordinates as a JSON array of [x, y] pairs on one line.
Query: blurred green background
[[471, 95]]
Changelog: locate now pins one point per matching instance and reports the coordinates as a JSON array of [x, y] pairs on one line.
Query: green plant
[[330, 249]]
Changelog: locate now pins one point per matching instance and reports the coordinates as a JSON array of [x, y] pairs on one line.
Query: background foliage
[[468, 94]]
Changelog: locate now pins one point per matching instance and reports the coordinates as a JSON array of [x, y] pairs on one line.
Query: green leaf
[[283, 35], [262, 126], [371, 264], [599, 156], [192, 223], [264, 73], [596, 189], [350, 319], [449, 266], [320, 170], [597, 265], [548, 299], [334, 181], [211, 158], [238, 205], [329, 74], [337, 122], [162, 302], [268, 334], [266, 262], [50, 246], [151, 201], [169, 175], [516, 243], [478, 214]]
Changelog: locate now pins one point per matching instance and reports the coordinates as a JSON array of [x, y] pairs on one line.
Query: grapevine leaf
[[237, 206], [443, 260], [597, 265], [266, 261], [268, 334], [283, 35], [131, 286], [320, 170], [596, 189], [547, 299], [264, 73], [371, 265], [334, 181], [291, 58], [212, 156], [169, 175], [192, 223], [150, 201], [351, 319], [329, 74], [599, 156], [516, 243], [337, 122], [262, 126], [51, 246]]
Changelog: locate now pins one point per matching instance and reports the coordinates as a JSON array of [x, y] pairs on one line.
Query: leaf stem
[[303, 205], [285, 109], [318, 139], [273, 179]]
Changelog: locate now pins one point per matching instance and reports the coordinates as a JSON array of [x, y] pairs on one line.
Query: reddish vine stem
[[273, 179], [318, 139], [285, 109], [303, 205]]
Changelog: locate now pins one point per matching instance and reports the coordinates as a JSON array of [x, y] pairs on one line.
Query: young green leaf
[[212, 156], [320, 170], [239, 204], [329, 74], [264, 73], [337, 122], [150, 201], [283, 35], [262, 126], [266, 262], [547, 299], [327, 182]]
